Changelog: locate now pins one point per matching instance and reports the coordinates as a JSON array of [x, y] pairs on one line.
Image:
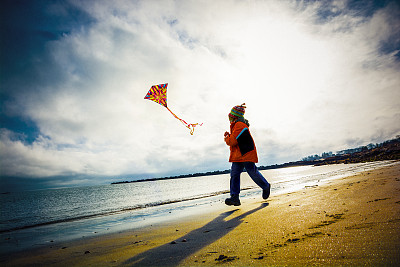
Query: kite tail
[[190, 126]]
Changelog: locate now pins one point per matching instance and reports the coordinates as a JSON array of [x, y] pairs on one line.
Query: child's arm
[[230, 139]]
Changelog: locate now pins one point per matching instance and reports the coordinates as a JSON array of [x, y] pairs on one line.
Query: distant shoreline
[[388, 150], [290, 164]]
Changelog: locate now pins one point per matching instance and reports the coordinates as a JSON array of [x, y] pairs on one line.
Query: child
[[243, 155]]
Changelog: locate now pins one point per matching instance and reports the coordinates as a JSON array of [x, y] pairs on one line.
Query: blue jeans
[[251, 168]]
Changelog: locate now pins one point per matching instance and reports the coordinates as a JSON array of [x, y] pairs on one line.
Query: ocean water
[[37, 218]]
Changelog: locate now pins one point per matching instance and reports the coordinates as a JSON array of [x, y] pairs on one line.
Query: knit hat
[[237, 112]]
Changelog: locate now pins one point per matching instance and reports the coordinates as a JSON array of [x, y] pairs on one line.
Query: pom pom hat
[[237, 112]]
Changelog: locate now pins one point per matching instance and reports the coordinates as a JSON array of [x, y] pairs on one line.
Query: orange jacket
[[241, 144]]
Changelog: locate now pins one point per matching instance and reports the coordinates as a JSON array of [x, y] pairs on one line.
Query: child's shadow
[[171, 254]]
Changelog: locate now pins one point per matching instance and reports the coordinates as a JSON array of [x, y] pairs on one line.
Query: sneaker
[[266, 192], [233, 201]]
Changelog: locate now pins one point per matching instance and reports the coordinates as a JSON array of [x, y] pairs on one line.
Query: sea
[[33, 219]]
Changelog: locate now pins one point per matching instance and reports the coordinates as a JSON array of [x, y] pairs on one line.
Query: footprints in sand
[[371, 225], [223, 258], [297, 239], [272, 247], [361, 226], [303, 237], [175, 242], [334, 218], [378, 199]]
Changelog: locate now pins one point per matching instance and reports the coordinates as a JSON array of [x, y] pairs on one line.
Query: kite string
[[190, 126]]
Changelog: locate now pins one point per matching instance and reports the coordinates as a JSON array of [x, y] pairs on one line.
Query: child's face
[[231, 119]]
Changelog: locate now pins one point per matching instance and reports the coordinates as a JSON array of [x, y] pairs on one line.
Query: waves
[[112, 212]]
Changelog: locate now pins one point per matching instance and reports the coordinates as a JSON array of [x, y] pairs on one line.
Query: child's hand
[[226, 134]]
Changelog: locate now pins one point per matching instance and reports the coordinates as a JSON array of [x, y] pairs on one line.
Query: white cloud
[[309, 87]]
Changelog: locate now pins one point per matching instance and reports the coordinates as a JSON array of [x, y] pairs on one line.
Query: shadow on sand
[[171, 254]]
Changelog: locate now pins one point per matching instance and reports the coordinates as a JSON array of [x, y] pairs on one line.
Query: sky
[[316, 76]]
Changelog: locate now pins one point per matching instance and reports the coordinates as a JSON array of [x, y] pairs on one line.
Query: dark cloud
[[364, 10], [26, 130], [328, 9], [14, 184], [26, 27], [26, 66]]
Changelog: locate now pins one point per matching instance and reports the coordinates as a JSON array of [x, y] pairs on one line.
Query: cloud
[[316, 76]]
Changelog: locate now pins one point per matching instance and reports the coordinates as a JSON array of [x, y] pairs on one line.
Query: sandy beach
[[349, 221]]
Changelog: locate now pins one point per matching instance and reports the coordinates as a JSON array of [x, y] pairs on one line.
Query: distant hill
[[388, 150]]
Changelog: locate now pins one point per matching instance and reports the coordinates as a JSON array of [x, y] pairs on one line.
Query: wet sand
[[350, 221]]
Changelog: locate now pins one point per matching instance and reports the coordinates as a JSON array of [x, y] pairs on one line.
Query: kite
[[158, 94]]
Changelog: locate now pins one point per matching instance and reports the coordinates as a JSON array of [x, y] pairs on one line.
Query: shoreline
[[354, 220], [388, 150]]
